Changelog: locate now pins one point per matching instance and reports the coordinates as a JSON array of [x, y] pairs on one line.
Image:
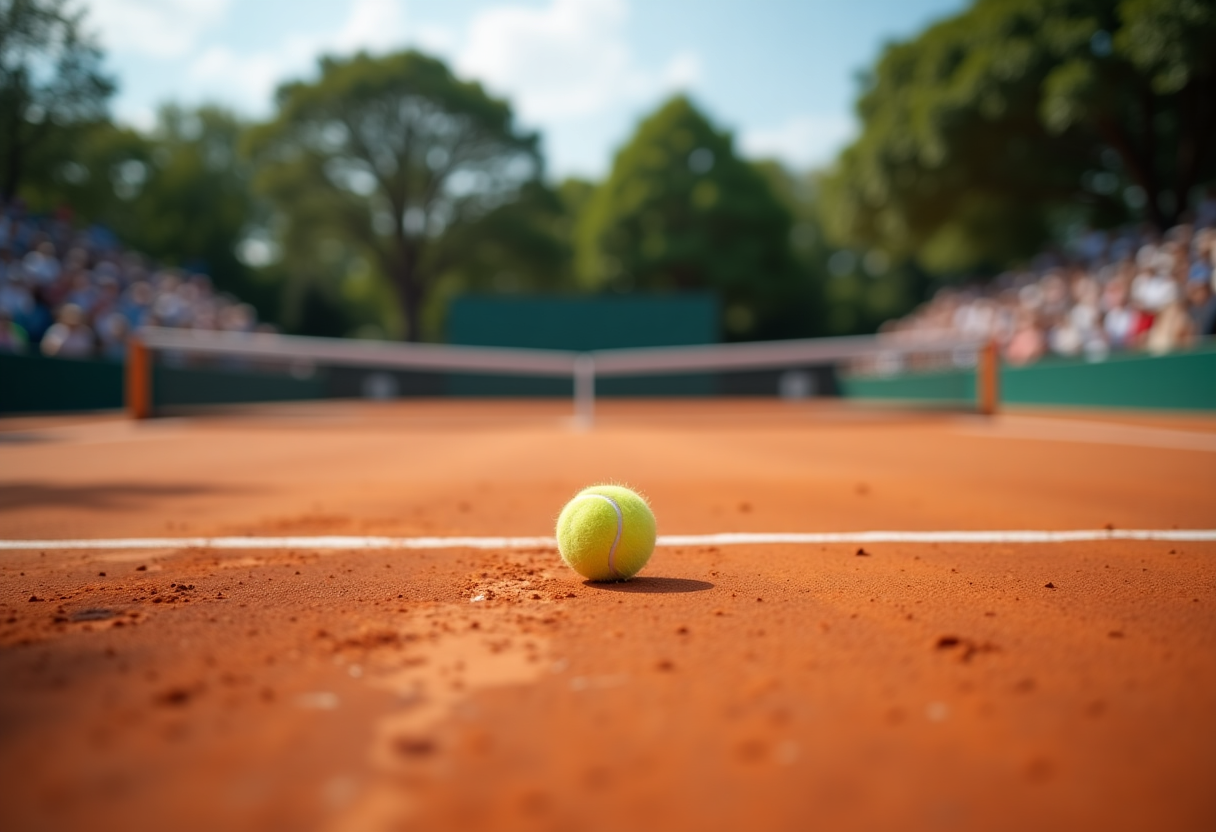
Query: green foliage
[[680, 211], [329, 289], [985, 129], [391, 158], [576, 196], [1169, 40], [522, 246], [180, 194], [195, 204], [853, 294], [92, 164], [50, 82]]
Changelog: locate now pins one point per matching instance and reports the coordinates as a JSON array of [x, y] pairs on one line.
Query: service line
[[724, 539]]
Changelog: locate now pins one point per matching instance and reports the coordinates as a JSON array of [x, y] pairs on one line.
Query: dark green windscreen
[[582, 324], [559, 323]]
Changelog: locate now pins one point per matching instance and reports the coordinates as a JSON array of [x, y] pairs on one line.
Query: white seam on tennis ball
[[620, 525]]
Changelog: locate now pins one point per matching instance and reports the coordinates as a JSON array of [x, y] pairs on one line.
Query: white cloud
[[249, 81], [373, 25], [682, 72], [140, 116], [159, 28], [435, 40], [566, 66], [801, 142], [567, 60]]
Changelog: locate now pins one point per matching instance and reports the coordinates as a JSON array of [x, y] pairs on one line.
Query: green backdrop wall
[[1180, 381], [583, 324]]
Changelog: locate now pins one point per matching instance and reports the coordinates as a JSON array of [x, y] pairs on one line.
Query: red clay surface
[[917, 686]]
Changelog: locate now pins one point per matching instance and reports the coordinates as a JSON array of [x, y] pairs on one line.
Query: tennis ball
[[606, 533]]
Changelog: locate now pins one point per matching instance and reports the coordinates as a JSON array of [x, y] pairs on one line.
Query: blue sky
[[780, 74]]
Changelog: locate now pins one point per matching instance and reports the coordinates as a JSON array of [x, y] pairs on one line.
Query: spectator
[[84, 292], [1171, 329], [1202, 302], [12, 337], [1027, 344], [136, 303], [1203, 257], [1128, 289], [41, 264], [112, 332], [1122, 324], [71, 337], [15, 297], [1153, 291], [41, 315], [72, 292]]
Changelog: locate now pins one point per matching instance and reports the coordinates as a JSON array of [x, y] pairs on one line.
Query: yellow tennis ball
[[606, 533]]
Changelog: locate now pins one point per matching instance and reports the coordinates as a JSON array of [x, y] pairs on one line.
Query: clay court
[[761, 686]]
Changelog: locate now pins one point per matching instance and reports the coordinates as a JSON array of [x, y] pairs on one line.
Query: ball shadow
[[652, 585]]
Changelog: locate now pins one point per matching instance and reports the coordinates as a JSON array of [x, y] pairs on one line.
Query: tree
[[391, 154], [680, 211], [180, 193], [95, 168], [520, 246], [50, 80], [988, 127], [193, 204]]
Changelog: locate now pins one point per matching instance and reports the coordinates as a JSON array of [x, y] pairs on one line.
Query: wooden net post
[[139, 379], [988, 379]]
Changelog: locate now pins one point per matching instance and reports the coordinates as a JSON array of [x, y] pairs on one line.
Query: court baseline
[[720, 539]]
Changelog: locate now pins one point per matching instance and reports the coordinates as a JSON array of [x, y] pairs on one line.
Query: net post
[[584, 391], [988, 379], [138, 379]]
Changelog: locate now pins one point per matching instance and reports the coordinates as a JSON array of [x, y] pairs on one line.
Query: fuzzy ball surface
[[606, 533]]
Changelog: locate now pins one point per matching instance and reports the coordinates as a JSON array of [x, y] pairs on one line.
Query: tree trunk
[[409, 290], [413, 312]]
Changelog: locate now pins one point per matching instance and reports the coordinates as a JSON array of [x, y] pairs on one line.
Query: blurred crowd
[[1130, 289], [76, 293]]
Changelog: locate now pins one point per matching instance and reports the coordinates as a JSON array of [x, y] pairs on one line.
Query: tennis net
[[173, 368]]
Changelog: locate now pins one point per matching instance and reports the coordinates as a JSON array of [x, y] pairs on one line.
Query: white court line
[[725, 539], [1095, 433]]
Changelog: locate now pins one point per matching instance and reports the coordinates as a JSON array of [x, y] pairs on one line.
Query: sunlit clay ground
[[765, 687]]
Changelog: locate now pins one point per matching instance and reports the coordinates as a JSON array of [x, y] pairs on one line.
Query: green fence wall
[[942, 386], [36, 384], [1180, 381]]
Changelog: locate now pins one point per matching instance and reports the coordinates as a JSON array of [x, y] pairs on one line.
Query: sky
[[781, 75]]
